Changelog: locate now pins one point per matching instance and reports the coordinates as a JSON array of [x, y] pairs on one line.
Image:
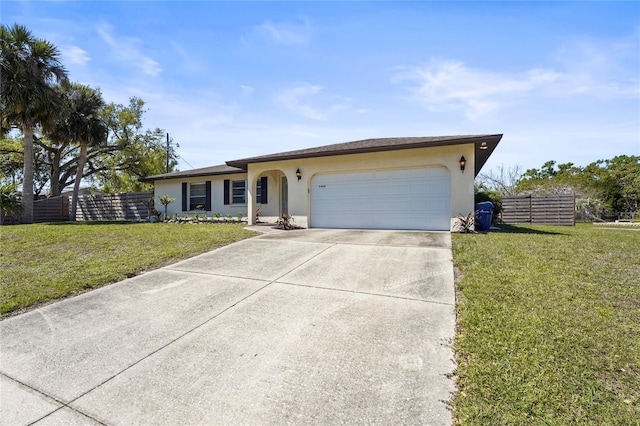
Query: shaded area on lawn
[[94, 222], [515, 229]]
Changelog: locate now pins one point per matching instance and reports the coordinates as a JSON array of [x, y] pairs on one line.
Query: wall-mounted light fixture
[[298, 175], [483, 146], [463, 163]]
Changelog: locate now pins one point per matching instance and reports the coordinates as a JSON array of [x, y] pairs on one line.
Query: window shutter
[[207, 199], [185, 197], [226, 191], [263, 190]]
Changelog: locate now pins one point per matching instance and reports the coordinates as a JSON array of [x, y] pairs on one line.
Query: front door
[[284, 196]]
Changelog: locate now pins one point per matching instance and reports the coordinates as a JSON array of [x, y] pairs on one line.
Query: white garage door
[[382, 199]]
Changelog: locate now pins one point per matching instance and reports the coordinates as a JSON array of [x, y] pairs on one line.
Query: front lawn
[[548, 326], [42, 262]]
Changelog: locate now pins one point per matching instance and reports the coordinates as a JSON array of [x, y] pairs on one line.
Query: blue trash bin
[[484, 214]]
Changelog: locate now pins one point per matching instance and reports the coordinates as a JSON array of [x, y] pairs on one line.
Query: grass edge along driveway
[[548, 326], [49, 261]]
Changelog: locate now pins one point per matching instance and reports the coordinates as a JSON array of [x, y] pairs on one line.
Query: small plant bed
[[204, 219], [548, 326], [286, 223], [43, 262]]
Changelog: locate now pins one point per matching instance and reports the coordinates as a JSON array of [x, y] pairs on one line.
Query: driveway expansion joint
[[155, 351], [189, 331], [407, 356], [366, 293], [303, 263], [215, 274], [51, 397]]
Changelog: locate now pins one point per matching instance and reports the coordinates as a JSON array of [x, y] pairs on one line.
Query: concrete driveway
[[308, 326]]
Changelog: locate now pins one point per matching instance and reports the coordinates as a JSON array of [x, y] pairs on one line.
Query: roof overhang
[[483, 150], [205, 171], [484, 146]]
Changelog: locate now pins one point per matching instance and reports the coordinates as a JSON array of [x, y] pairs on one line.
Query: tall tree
[[80, 122], [115, 166], [618, 180], [140, 152], [11, 159], [12, 162], [28, 68]]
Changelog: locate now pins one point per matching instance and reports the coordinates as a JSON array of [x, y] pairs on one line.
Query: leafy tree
[[129, 152], [28, 68], [139, 153], [12, 163], [10, 202], [81, 123], [58, 162], [618, 180], [604, 188], [11, 159], [552, 179]]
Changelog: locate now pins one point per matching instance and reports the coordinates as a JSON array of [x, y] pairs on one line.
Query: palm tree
[[80, 122], [28, 68]]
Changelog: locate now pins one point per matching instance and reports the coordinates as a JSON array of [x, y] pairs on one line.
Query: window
[[197, 196], [238, 192]]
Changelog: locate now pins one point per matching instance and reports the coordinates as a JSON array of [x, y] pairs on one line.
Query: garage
[[408, 198]]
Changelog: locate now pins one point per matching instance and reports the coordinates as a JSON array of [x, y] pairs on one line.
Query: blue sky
[[230, 80]]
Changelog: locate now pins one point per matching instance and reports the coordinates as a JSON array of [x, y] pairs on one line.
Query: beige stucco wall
[[299, 191], [271, 209], [173, 188]]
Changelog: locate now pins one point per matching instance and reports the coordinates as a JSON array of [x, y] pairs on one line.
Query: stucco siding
[[173, 188], [461, 201]]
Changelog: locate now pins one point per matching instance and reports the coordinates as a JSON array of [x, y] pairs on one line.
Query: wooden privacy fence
[[54, 209], [539, 209], [126, 206]]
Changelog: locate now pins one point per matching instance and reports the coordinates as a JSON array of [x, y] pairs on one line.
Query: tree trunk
[[76, 185], [27, 182], [54, 175]]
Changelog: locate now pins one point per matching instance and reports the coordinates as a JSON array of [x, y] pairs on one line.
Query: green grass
[[548, 326], [43, 262]]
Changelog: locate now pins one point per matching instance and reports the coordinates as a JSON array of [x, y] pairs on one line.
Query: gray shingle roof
[[487, 142], [222, 169], [484, 146]]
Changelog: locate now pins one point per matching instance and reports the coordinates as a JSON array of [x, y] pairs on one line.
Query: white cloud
[[312, 102], [246, 90], [124, 50], [584, 69], [187, 61], [284, 33], [445, 85], [605, 69], [74, 55], [292, 99]]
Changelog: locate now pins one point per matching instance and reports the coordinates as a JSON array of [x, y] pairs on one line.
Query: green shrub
[[10, 201]]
